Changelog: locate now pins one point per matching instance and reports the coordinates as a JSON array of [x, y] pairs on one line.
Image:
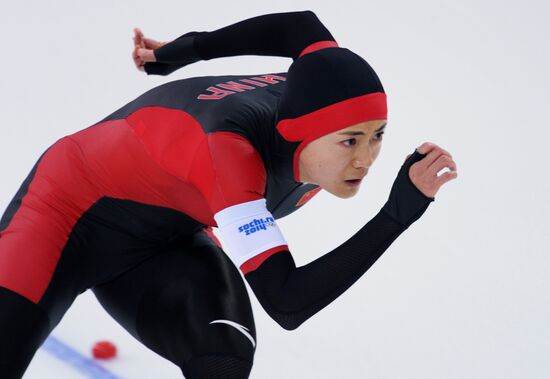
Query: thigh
[[40, 234], [189, 304], [58, 237], [37, 259]]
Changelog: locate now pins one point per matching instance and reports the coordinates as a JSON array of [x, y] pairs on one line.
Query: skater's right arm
[[284, 34]]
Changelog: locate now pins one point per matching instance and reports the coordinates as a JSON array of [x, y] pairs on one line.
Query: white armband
[[248, 229]]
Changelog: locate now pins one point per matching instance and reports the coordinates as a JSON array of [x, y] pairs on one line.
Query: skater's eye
[[350, 140], [379, 136]]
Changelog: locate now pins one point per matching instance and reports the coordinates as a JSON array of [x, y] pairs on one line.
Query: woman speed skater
[[126, 206]]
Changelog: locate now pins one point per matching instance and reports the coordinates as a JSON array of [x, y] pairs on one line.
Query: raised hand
[[143, 49], [423, 173]]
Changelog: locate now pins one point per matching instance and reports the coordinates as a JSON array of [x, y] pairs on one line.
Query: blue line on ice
[[70, 356]]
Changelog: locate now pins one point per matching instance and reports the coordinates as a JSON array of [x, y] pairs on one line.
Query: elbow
[[307, 30], [309, 14], [309, 21], [288, 322], [283, 314]]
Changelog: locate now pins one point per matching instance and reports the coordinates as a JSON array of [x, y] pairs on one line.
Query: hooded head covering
[[328, 88]]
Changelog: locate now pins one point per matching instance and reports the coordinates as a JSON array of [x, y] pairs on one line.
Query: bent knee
[[192, 328]]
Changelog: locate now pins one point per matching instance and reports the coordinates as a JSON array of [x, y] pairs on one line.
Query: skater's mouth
[[353, 182]]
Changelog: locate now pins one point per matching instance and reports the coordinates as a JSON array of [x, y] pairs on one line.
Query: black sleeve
[[277, 34], [291, 295], [170, 56]]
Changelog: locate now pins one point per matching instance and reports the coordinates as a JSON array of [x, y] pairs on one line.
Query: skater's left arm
[[291, 294]]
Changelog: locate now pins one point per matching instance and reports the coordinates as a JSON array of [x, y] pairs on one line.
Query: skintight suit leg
[[189, 304], [153, 268]]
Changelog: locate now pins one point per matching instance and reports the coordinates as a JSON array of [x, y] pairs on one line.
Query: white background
[[463, 293]]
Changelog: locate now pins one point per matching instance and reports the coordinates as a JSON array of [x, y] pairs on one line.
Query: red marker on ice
[[104, 350]]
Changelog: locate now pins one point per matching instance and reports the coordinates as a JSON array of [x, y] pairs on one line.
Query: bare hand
[[423, 173], [143, 49]]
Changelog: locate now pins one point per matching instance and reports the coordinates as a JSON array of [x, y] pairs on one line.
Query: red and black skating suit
[[125, 208]]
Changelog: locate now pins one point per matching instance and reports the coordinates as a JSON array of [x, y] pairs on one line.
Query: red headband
[[335, 117]]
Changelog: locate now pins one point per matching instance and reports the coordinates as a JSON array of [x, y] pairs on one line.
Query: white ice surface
[[462, 294]]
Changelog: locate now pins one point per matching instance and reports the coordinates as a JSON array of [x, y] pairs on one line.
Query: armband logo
[[256, 225]]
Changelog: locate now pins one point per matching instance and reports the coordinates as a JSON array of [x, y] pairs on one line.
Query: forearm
[[173, 55], [277, 34], [293, 294]]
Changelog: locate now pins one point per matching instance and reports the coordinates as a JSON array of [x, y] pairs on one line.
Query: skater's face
[[337, 160]]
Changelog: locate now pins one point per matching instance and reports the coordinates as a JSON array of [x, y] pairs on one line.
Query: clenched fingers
[[146, 55], [445, 177], [440, 163], [137, 60], [433, 155], [423, 173]]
